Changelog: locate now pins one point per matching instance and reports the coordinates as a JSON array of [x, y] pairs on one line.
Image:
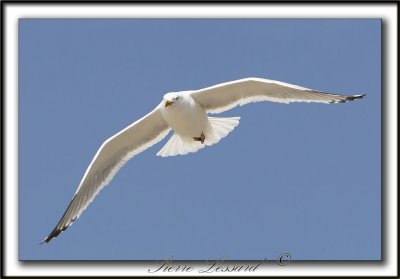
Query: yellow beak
[[167, 103]]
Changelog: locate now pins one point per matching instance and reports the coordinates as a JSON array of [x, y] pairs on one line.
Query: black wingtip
[[355, 97], [44, 241], [348, 98], [55, 233], [60, 228], [52, 235]]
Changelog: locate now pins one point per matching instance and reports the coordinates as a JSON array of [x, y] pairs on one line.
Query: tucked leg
[[201, 138]]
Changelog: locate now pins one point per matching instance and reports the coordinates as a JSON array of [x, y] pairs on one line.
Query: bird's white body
[[187, 117], [190, 122], [185, 113]]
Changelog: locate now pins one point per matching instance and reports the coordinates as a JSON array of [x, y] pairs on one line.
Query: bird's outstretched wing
[[111, 156], [224, 96]]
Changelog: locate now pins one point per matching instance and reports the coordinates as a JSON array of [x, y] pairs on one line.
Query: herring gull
[[185, 113]]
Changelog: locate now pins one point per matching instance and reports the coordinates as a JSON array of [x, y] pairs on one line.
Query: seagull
[[186, 113]]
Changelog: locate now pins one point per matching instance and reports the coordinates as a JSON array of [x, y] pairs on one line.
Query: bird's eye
[[177, 98]]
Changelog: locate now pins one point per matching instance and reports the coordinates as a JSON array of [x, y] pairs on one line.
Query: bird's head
[[171, 98]]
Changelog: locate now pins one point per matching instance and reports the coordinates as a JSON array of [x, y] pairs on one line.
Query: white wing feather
[[224, 96], [111, 156]]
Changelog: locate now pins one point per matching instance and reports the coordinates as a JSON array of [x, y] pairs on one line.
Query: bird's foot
[[201, 138]]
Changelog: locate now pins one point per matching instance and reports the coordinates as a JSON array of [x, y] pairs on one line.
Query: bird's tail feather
[[217, 129], [178, 145]]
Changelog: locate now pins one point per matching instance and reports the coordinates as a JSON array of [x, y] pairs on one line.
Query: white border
[[13, 12]]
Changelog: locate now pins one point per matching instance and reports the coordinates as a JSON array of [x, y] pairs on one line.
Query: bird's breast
[[188, 118]]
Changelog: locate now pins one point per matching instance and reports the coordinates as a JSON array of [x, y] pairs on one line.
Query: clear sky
[[299, 178]]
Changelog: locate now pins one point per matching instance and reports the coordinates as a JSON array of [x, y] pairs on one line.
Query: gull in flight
[[186, 113]]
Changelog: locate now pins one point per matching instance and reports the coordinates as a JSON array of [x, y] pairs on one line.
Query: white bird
[[185, 113]]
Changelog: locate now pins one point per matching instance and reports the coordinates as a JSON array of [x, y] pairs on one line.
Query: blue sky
[[300, 178]]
